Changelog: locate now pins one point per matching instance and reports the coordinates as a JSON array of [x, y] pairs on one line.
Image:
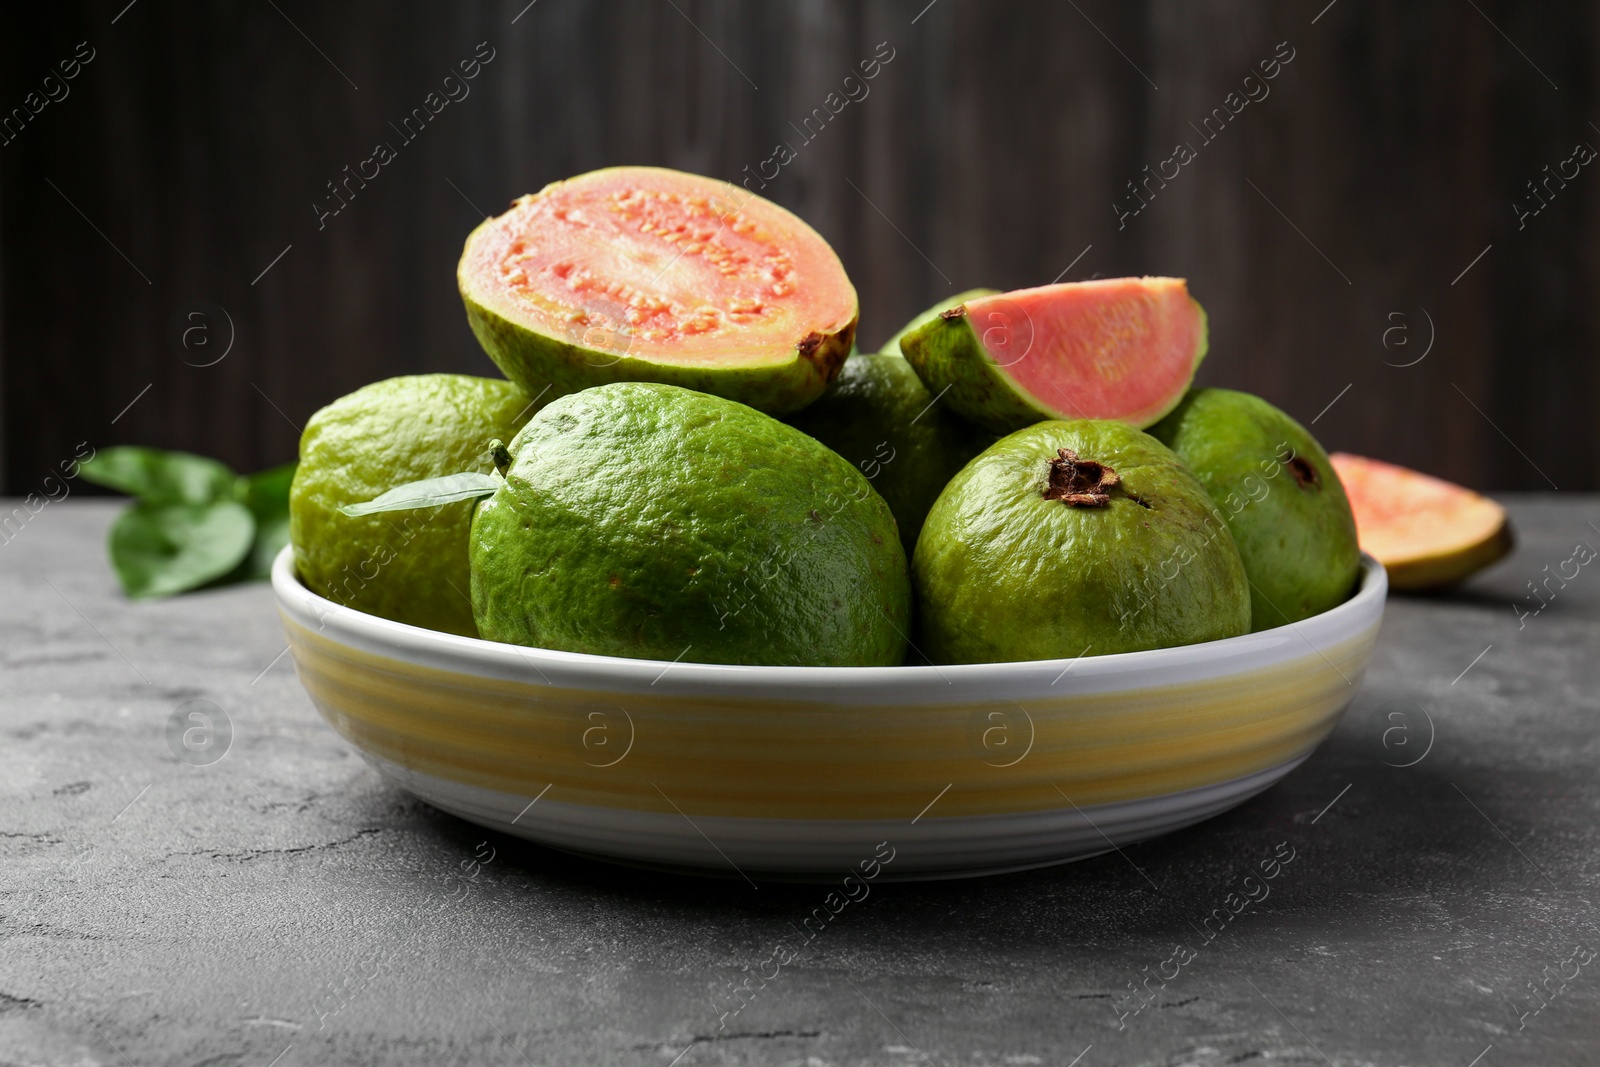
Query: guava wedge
[[648, 274], [891, 347], [410, 567], [1428, 533], [649, 521], [878, 415], [1279, 495], [1114, 348], [1071, 538]]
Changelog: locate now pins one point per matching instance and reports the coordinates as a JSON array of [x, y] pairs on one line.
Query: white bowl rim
[[471, 655]]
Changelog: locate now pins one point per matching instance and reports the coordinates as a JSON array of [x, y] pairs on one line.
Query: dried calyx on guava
[[1083, 483]]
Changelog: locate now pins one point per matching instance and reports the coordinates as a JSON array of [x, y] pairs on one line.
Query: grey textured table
[[283, 906]]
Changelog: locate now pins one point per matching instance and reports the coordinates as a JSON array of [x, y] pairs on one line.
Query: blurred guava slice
[[1115, 348], [648, 274], [1426, 532], [407, 566]]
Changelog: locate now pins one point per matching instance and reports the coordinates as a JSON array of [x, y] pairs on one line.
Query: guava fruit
[[647, 274], [878, 415], [1279, 495], [891, 347], [1069, 538], [410, 567], [1427, 532], [1116, 348], [653, 522]]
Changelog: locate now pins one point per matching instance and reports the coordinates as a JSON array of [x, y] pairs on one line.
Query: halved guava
[[648, 274], [1426, 532], [1116, 348]]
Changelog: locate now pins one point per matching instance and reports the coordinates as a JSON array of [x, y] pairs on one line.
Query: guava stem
[[501, 456]]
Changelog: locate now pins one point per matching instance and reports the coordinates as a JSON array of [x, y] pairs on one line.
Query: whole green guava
[[878, 415], [1072, 538], [654, 522], [1279, 495], [407, 566]]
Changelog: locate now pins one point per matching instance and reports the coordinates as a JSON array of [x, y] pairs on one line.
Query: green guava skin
[[878, 415], [539, 362], [951, 361], [1003, 573], [891, 347], [1294, 530], [409, 566], [652, 522]]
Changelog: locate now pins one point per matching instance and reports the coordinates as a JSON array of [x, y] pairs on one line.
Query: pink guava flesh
[[658, 264], [1119, 348]]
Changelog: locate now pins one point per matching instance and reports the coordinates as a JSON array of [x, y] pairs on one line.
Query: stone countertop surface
[[283, 906]]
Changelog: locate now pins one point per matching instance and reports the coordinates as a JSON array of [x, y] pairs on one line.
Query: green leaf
[[266, 494], [271, 536], [161, 549], [267, 489], [428, 493], [156, 476]]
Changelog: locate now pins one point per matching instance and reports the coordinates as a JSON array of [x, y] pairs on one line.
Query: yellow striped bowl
[[797, 772]]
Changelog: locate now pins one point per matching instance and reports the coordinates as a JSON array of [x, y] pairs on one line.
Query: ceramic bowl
[[803, 772]]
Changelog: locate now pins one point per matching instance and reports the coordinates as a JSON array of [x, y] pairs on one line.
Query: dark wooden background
[[989, 152]]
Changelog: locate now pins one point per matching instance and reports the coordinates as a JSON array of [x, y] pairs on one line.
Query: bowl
[[815, 772]]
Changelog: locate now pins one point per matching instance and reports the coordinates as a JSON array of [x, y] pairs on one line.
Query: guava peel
[[1117, 348], [891, 347]]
